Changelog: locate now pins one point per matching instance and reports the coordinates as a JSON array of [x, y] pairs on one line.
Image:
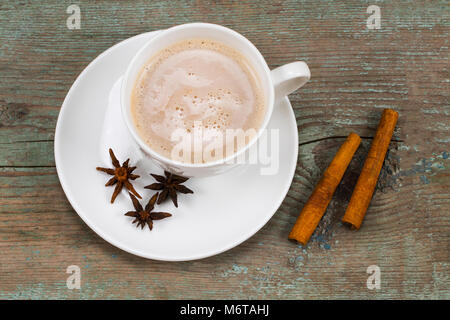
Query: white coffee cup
[[276, 84]]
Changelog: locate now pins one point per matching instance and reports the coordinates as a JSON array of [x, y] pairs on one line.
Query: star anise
[[170, 185], [121, 176], [145, 216]]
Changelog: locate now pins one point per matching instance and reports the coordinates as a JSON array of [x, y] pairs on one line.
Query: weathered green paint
[[355, 73]]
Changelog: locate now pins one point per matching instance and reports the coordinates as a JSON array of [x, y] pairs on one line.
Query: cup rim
[[172, 162]]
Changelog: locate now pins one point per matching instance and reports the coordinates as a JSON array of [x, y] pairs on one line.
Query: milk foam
[[195, 83]]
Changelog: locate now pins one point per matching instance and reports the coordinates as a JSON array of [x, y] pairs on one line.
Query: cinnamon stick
[[367, 181], [320, 198]]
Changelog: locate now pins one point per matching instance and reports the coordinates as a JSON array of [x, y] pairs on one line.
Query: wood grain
[[355, 73]]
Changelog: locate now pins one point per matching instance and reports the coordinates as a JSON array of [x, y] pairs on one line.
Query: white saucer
[[223, 212]]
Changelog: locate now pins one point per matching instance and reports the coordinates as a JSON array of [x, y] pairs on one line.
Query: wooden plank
[[355, 73]]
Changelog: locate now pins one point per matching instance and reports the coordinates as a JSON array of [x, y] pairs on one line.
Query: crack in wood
[[28, 141], [340, 137], [20, 167]]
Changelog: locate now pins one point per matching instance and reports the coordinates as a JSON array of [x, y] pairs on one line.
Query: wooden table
[[356, 72]]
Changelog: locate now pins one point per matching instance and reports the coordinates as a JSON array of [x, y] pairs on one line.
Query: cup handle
[[289, 77]]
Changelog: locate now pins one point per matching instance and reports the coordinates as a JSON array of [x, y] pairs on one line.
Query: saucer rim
[[74, 203]]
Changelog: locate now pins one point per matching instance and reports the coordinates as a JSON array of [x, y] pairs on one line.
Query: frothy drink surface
[[196, 86]]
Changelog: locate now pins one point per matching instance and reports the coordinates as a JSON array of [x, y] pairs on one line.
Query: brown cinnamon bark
[[367, 181], [320, 198]]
